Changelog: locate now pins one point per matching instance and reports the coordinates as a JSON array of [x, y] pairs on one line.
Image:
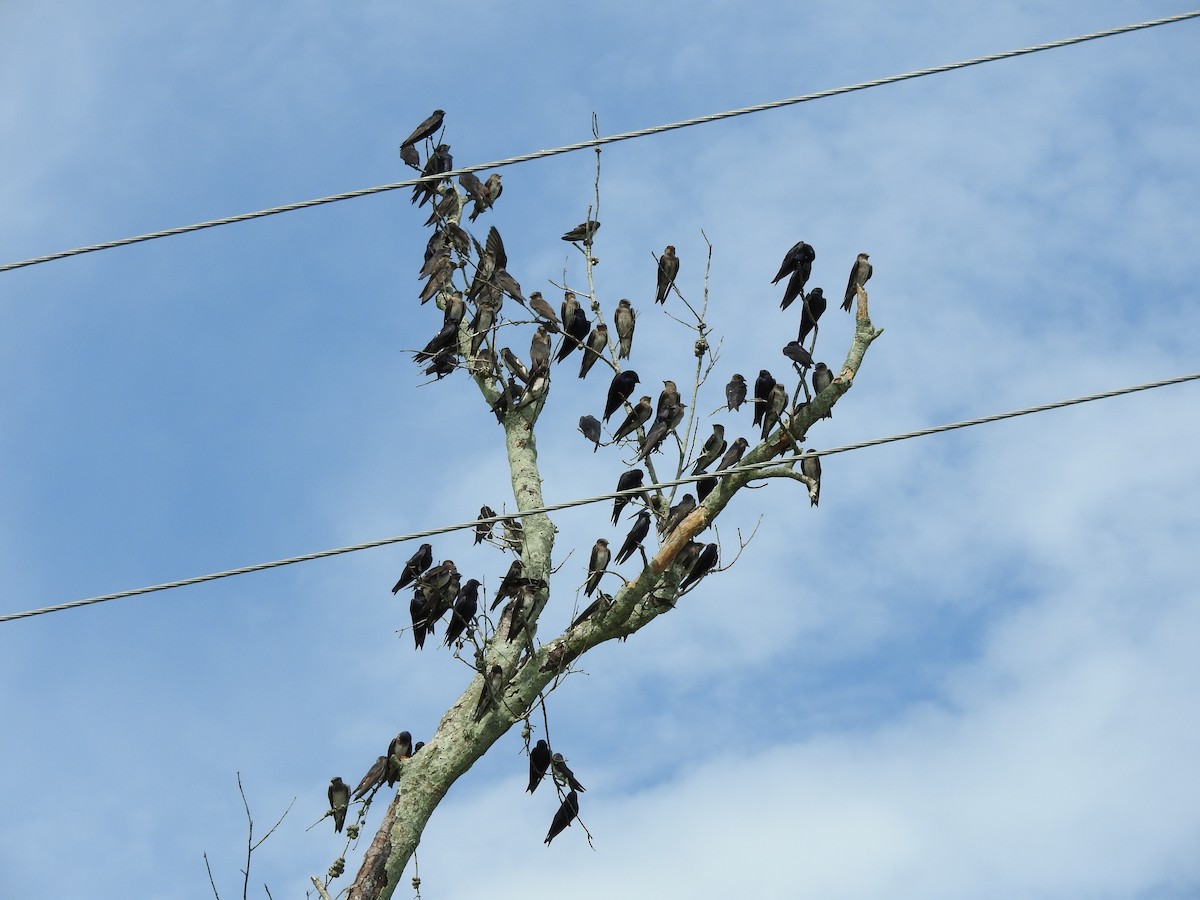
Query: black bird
[[564, 817], [483, 530], [762, 392], [797, 354], [418, 609], [583, 232], [428, 128], [678, 513], [399, 750], [664, 424], [668, 269], [625, 320], [704, 487], [797, 262], [701, 567], [733, 455], [597, 341], [860, 273], [442, 364], [417, 563], [539, 305], [597, 563], [513, 579], [628, 481], [515, 617], [439, 161], [409, 156], [776, 404], [539, 762], [465, 606], [417, 747], [576, 330], [373, 778], [589, 427], [814, 308], [619, 391], [637, 534], [339, 799], [810, 467], [444, 208], [735, 393], [489, 694], [713, 447], [563, 774], [638, 417]]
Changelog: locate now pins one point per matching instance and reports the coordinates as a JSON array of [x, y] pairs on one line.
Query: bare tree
[[514, 670]]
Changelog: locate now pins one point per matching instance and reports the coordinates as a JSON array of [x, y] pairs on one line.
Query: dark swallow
[[514, 534], [668, 268], [733, 455], [503, 401], [701, 567], [372, 779], [475, 191], [426, 129], [494, 189], [735, 393], [540, 307], [563, 774], [515, 618], [446, 207], [482, 363], [704, 487], [464, 609], [625, 320], [776, 404], [822, 377], [513, 578], [454, 309], [569, 305], [668, 397], [619, 390], [441, 271], [583, 232], [814, 308], [514, 365], [641, 413], [713, 448], [589, 427], [417, 747], [575, 331], [409, 156], [602, 599], [797, 354], [442, 364], [401, 746], [418, 610], [539, 383], [637, 534], [417, 563], [539, 762], [597, 563], [762, 392], [490, 692], [339, 799], [539, 349], [564, 817], [664, 423], [810, 467], [494, 247], [483, 530], [508, 285], [678, 513], [597, 343], [798, 263], [484, 319], [446, 338], [440, 161], [481, 281], [860, 273], [627, 482]]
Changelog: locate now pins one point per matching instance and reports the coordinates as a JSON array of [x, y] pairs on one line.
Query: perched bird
[[515, 617], [513, 579], [589, 427], [417, 563], [733, 455], [483, 530], [408, 154], [563, 774], [539, 383], [597, 563], [540, 307], [417, 747], [482, 364], [701, 567], [463, 612], [637, 534], [797, 354], [797, 262], [668, 269], [444, 208], [713, 447], [776, 404], [583, 232], [539, 762], [494, 189], [339, 799], [575, 330], [860, 273], [505, 283], [822, 377], [399, 750], [426, 129], [514, 534], [597, 341], [814, 308], [539, 349], [810, 467], [490, 692], [564, 817], [442, 364], [569, 305], [704, 487], [678, 513], [439, 161], [514, 365], [619, 390], [625, 320], [476, 191], [638, 417], [627, 482], [668, 397], [454, 308], [372, 779], [735, 392], [418, 610], [762, 392], [664, 423]]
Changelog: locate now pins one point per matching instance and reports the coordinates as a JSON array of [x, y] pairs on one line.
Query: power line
[[611, 139], [599, 498]]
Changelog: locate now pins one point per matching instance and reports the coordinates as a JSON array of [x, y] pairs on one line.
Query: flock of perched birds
[[439, 590]]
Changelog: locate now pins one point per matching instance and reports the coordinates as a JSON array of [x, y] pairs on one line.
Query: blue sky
[[970, 672]]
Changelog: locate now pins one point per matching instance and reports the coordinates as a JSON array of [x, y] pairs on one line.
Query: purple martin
[[539, 762], [814, 308], [539, 383], [483, 530], [686, 558], [762, 392], [797, 354], [513, 579], [514, 534], [417, 563], [733, 455], [735, 393], [418, 610], [465, 606], [597, 341], [678, 513], [508, 285], [637, 534], [563, 774], [627, 482], [454, 309], [426, 129], [619, 390], [505, 399], [860, 273], [339, 799], [798, 263], [564, 817], [445, 208], [602, 599], [776, 404], [589, 427], [475, 191], [481, 282], [484, 319], [668, 397], [625, 320], [701, 567], [575, 330], [583, 232], [822, 377], [417, 747], [439, 161], [597, 563], [494, 247], [539, 349], [569, 305], [494, 189], [482, 363], [540, 307], [664, 423], [409, 156], [704, 487], [401, 746], [641, 413], [668, 269], [490, 692], [514, 365], [810, 467], [441, 271], [515, 617], [443, 340], [443, 363], [713, 447], [372, 779]]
